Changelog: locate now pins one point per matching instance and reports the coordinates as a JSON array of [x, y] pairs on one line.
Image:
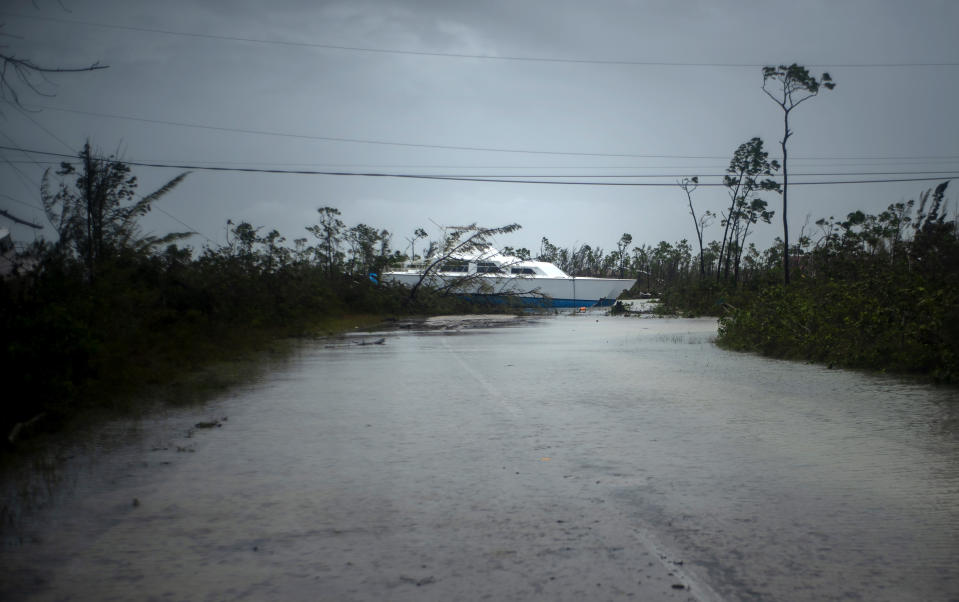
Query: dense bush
[[876, 325], [878, 292], [67, 341], [106, 310]]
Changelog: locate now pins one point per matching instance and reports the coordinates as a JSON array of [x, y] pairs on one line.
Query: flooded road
[[566, 458]]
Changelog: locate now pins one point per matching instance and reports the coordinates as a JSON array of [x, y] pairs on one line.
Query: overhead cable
[[455, 147], [368, 141], [455, 178], [455, 55]]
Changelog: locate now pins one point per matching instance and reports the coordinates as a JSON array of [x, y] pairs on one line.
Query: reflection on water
[[525, 462]]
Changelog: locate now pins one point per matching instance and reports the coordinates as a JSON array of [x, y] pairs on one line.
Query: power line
[[26, 114], [479, 177], [454, 55], [510, 177], [687, 171], [506, 177], [184, 224], [32, 206], [16, 200], [23, 177], [365, 140], [456, 178], [460, 148]]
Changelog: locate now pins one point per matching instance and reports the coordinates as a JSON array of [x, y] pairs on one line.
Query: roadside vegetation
[[878, 292], [91, 318], [103, 312], [874, 291]]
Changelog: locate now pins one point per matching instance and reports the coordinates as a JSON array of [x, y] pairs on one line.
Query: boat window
[[455, 266], [522, 271], [487, 267]]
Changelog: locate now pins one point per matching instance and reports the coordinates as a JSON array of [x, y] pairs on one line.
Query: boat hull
[[527, 291]]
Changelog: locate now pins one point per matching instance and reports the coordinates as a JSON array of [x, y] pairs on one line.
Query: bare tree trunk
[[786, 134]]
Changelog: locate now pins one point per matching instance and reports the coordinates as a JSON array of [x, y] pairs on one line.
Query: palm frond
[[142, 206]]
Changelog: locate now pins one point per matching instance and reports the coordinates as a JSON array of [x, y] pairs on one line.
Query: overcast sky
[[661, 88]]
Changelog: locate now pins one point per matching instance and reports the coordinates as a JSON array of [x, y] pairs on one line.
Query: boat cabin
[[502, 265]]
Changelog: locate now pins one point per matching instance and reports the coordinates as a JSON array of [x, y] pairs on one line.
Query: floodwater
[[581, 457]]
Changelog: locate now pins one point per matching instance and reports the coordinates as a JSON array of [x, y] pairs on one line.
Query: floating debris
[[418, 582]]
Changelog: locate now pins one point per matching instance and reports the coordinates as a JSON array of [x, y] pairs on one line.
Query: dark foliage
[[108, 311], [877, 291]]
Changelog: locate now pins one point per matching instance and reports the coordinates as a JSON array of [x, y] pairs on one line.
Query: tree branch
[[24, 71], [20, 221], [26, 64]]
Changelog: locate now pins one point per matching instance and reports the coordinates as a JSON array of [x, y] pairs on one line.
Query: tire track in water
[[697, 588], [483, 381]]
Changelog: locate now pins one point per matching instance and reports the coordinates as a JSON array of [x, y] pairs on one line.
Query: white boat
[[500, 278]]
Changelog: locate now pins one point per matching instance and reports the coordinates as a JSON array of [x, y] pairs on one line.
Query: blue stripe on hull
[[537, 301]]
